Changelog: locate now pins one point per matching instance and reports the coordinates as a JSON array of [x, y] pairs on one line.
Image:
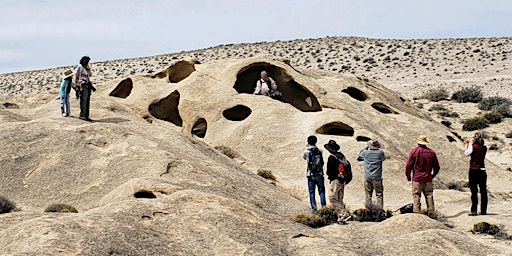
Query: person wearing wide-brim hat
[[373, 157], [65, 89], [424, 165], [337, 184]]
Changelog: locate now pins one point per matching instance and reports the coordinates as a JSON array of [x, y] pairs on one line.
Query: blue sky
[[44, 34]]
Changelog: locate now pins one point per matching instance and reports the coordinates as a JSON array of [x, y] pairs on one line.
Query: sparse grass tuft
[[372, 213], [227, 151], [295, 191], [493, 117], [436, 94], [61, 208], [475, 123], [6, 205], [491, 229], [267, 174], [435, 215], [326, 216], [468, 94]]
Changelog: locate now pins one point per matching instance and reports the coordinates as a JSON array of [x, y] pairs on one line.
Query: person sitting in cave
[[267, 86]]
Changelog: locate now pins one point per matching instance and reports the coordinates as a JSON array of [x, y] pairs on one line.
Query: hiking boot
[[472, 214], [483, 213]]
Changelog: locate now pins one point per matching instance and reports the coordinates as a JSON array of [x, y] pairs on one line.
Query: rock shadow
[[293, 93], [355, 93], [144, 194], [237, 113], [450, 138], [123, 89], [167, 109], [336, 128], [199, 128]]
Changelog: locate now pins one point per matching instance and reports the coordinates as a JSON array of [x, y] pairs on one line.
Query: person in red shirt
[[423, 164], [477, 172]]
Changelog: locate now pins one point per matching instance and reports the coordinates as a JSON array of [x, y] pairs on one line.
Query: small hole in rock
[[355, 93], [199, 128], [237, 113], [363, 138], [336, 128], [450, 138], [144, 194], [381, 107]]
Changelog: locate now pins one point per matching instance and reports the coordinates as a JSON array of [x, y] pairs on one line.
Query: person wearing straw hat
[[65, 89], [337, 184], [423, 164], [372, 157]]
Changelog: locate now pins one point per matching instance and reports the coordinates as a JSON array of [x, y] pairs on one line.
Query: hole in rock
[[458, 136], [450, 138], [237, 113], [355, 93], [293, 93], [336, 128], [381, 107], [167, 109], [144, 194], [123, 89], [199, 128], [11, 105], [179, 71], [402, 99], [363, 138]]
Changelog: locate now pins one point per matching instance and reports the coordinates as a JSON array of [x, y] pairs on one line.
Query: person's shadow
[[112, 120]]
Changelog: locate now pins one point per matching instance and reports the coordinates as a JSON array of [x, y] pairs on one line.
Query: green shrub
[[490, 229], [266, 174], [62, 208], [6, 205], [448, 113], [468, 94], [493, 117], [508, 134], [475, 123], [496, 103], [372, 213], [326, 216], [436, 94]]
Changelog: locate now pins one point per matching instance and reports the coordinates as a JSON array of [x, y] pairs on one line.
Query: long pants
[[427, 188], [85, 102], [316, 181], [369, 186], [337, 191], [64, 104], [478, 179]]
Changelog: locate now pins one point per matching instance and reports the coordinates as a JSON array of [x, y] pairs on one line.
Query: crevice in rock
[[167, 109], [293, 93], [336, 128], [237, 113], [123, 89]]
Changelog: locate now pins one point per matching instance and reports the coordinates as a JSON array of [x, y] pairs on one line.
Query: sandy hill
[[147, 179]]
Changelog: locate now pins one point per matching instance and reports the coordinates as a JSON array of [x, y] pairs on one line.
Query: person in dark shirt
[[337, 184], [423, 164], [477, 172]]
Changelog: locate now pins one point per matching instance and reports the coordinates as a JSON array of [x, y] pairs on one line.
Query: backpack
[[315, 161], [344, 170], [408, 208]]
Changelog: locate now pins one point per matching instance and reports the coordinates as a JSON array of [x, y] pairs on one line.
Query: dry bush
[[62, 208], [437, 107], [491, 229], [448, 113], [296, 192], [455, 185], [436, 94], [493, 117], [6, 205], [372, 213], [475, 123], [267, 174], [227, 151], [435, 215], [326, 216], [496, 103], [468, 94]]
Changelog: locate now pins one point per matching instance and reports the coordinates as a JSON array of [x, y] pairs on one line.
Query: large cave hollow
[[336, 128], [167, 109], [123, 89], [237, 113], [293, 93]]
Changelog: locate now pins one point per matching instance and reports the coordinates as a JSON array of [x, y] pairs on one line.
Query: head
[[84, 61], [312, 140], [478, 138], [264, 75]]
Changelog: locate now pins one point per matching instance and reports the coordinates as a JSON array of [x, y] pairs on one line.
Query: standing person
[[372, 157], [423, 163], [267, 86], [314, 173], [337, 184], [84, 86], [477, 173], [65, 88]]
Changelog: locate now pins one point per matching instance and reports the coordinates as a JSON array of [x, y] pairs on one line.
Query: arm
[[360, 157], [273, 85], [257, 90], [305, 155], [409, 165], [469, 149], [435, 166], [62, 90]]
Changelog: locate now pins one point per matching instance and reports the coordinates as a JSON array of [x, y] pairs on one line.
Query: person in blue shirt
[[65, 88]]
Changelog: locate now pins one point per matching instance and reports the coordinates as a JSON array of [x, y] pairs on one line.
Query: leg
[[379, 193], [428, 189], [416, 196], [311, 188], [61, 104], [83, 103], [473, 186], [321, 190], [483, 192], [336, 197], [368, 189], [88, 102], [68, 105]]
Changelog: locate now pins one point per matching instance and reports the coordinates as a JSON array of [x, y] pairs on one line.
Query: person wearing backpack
[[65, 88], [267, 86], [314, 173], [372, 157], [423, 164], [477, 173], [339, 174]]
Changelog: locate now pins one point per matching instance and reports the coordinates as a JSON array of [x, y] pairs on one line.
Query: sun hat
[[332, 146], [373, 144], [422, 140], [67, 73]]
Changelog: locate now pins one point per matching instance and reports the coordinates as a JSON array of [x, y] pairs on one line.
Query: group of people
[[81, 83], [421, 168]]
